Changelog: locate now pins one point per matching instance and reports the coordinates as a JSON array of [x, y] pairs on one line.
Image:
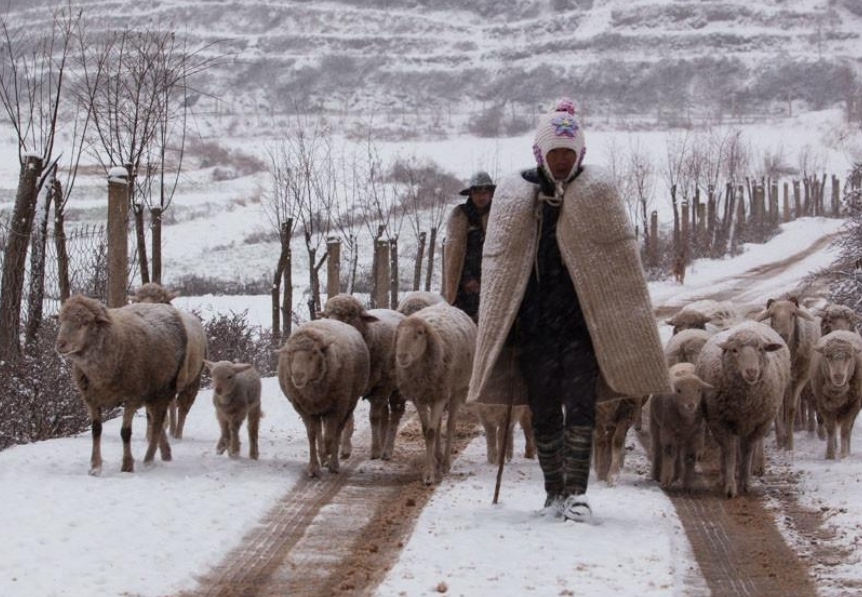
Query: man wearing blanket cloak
[[564, 289]]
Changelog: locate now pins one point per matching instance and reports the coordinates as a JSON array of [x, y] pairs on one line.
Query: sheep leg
[[96, 452], [224, 438], [791, 412], [346, 446], [746, 453], [602, 456], [668, 465], [451, 422], [126, 435], [831, 441], [618, 451], [172, 418], [526, 422], [397, 406], [510, 441], [233, 450], [430, 433], [254, 415], [378, 415], [312, 429], [758, 459], [490, 440], [729, 448], [689, 458], [159, 438], [183, 404], [333, 428]]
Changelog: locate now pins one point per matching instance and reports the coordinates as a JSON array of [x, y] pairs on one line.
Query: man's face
[[482, 196], [561, 161]]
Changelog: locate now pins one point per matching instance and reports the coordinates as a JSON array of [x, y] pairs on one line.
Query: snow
[[155, 531]]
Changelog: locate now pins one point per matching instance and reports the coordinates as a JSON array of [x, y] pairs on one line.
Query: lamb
[[323, 368], [677, 427], [505, 386], [800, 332], [418, 299], [377, 327], [130, 356], [685, 346], [236, 396], [614, 418], [434, 351], [836, 384], [189, 380], [749, 367]]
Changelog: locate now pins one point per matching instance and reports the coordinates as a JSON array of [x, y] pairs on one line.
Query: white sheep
[[505, 385], [129, 356], [838, 317], [836, 383], [685, 346], [799, 330], [434, 351], [677, 427], [418, 299], [323, 368], [688, 319], [236, 397], [749, 367], [377, 327], [189, 380]]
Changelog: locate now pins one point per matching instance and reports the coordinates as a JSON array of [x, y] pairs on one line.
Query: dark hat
[[479, 179]]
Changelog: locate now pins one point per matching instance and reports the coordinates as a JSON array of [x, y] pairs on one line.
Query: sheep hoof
[[96, 471]]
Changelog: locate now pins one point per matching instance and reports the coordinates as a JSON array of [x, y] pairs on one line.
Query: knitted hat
[[559, 128], [479, 179]]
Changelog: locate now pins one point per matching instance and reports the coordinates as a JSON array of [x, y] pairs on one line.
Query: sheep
[[749, 367], [685, 346], [418, 299], [377, 327], [677, 427], [189, 380], [686, 319], [129, 356], [800, 332], [434, 351], [836, 382], [614, 418], [236, 396], [323, 368], [838, 317], [506, 385]]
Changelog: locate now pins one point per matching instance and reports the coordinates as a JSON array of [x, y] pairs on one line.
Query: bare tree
[[32, 77], [147, 72]]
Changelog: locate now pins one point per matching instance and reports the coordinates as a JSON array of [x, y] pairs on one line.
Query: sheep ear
[[320, 314], [132, 299], [172, 295], [724, 345], [763, 314], [240, 367], [773, 346], [703, 385], [769, 303], [794, 300], [368, 318], [802, 313], [209, 364]]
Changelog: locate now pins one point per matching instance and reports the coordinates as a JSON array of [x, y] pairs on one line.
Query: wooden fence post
[[118, 236]]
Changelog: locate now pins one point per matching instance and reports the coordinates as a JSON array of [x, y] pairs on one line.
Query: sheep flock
[[741, 373]]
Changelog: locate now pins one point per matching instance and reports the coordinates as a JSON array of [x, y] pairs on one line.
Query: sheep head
[[687, 319], [688, 390], [838, 317], [151, 292], [306, 363], [839, 356], [347, 309], [80, 320], [745, 354], [411, 341], [783, 315], [224, 377]]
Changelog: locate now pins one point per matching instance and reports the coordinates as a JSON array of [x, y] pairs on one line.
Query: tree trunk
[[118, 240], [380, 291], [36, 298], [432, 243], [393, 273], [156, 241], [333, 267], [141, 241], [417, 266], [281, 266], [15, 258], [63, 281]]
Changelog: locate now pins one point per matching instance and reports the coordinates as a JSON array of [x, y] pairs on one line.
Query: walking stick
[[501, 455]]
